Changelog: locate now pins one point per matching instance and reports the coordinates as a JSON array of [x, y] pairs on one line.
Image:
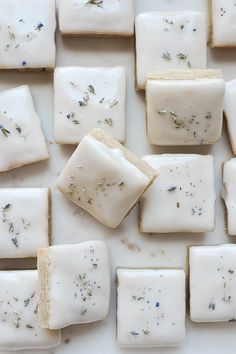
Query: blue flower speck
[[40, 25], [158, 304]]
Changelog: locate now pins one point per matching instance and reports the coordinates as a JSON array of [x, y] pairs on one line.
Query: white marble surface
[[128, 248]]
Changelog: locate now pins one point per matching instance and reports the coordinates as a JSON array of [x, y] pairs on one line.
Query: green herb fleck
[[84, 102], [166, 56], [182, 56], [109, 121], [76, 121], [171, 189], [29, 326], [98, 3], [6, 207], [91, 89], [15, 241], [5, 131], [114, 103], [170, 22]]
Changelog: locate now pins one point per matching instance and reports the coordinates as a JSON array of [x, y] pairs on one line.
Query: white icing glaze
[[169, 40], [184, 112], [150, 307], [106, 17], [21, 137], [102, 181], [230, 111], [27, 26], [19, 328], [86, 98], [23, 221], [213, 283], [182, 199], [229, 194], [82, 272], [223, 23]]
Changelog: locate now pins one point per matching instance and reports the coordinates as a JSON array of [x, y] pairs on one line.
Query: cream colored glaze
[[26, 27], [108, 17], [105, 89], [150, 307], [183, 197], [23, 221], [21, 137], [229, 194], [230, 111], [79, 283], [213, 283], [223, 23], [102, 181], [19, 328], [184, 112], [170, 40]]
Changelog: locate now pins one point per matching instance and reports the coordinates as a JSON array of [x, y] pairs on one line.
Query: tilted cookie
[[19, 326], [223, 18], [81, 273], [24, 214], [21, 136], [86, 98], [185, 107], [169, 40], [96, 17], [27, 26], [104, 178], [150, 307], [229, 194], [183, 197], [213, 283]]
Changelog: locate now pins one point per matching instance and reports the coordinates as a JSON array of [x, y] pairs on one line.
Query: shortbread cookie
[[81, 273], [104, 178], [183, 197], [86, 98], [223, 19], [21, 137], [27, 34], [213, 283], [23, 221], [150, 307], [19, 326], [230, 112], [170, 40], [96, 17], [185, 108], [229, 194]]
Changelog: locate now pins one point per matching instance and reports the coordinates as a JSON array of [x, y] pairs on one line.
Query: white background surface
[[127, 247]]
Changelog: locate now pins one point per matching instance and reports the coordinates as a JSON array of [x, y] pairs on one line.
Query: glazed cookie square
[[21, 136], [182, 199], [229, 194], [19, 326], [26, 27], [223, 18], [185, 107], [23, 221], [213, 283], [104, 178], [230, 112], [181, 44], [150, 307], [96, 17], [86, 98], [82, 272]]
